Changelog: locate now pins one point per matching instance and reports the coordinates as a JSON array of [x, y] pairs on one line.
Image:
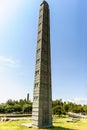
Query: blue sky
[[18, 36]]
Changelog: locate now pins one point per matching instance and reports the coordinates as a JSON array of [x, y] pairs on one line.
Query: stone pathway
[[26, 125], [14, 118]]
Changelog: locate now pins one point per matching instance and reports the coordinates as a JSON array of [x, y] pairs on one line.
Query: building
[[42, 96], [27, 97]]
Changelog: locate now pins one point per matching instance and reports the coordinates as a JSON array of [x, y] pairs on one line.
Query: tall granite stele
[[42, 96]]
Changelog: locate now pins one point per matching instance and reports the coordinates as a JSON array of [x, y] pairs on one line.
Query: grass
[[15, 115], [59, 124], [68, 124], [12, 125]]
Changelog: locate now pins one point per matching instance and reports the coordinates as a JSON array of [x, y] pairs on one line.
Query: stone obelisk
[[42, 96]]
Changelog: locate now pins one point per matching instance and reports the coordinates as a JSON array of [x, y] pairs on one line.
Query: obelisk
[[42, 95]]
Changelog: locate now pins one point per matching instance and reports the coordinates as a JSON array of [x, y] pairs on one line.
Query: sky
[[18, 39]]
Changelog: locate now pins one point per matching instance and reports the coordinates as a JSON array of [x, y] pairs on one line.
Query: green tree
[[2, 108], [9, 109], [66, 107], [27, 108], [85, 109], [10, 102], [17, 108], [57, 110]]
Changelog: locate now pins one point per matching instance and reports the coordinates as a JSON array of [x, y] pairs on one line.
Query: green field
[[59, 124]]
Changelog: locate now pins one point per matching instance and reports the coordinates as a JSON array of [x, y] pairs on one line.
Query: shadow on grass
[[59, 128]]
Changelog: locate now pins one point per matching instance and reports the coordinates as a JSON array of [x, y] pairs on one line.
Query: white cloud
[[77, 100], [7, 62], [7, 9], [9, 86], [81, 100]]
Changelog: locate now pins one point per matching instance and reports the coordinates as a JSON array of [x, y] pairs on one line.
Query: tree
[[66, 107], [9, 109], [85, 109], [57, 110], [21, 102], [10, 102], [27, 108], [17, 108], [2, 108]]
